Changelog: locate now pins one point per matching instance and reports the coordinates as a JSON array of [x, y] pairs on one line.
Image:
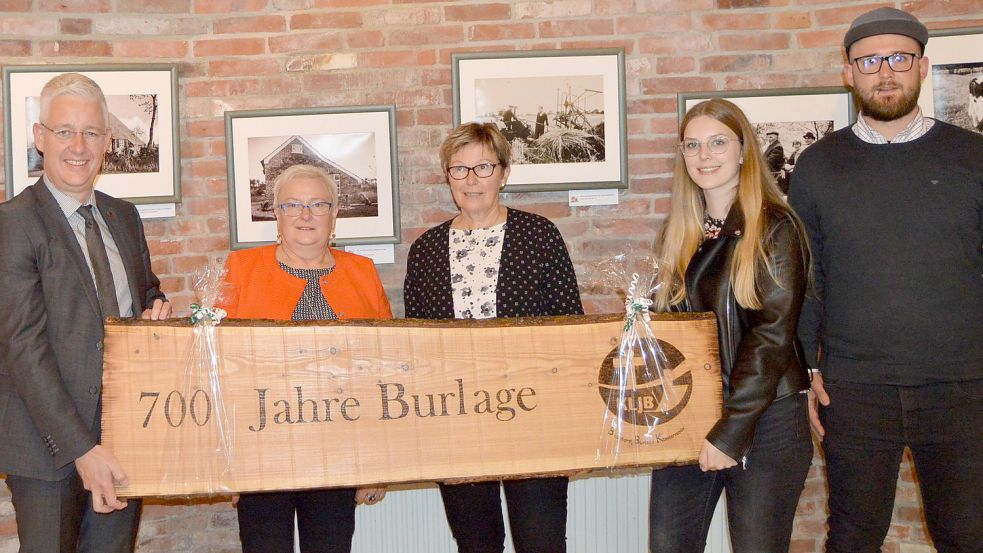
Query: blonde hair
[[72, 84], [682, 231], [486, 134], [303, 171]]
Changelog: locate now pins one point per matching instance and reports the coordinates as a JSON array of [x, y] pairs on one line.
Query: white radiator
[[606, 515]]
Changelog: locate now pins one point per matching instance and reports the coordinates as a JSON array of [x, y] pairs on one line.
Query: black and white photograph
[[786, 120], [547, 120], [132, 123], [958, 97], [349, 159], [142, 162], [783, 142], [355, 145], [563, 112], [953, 90]]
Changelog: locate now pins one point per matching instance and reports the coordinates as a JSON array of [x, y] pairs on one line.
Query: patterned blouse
[[475, 257], [711, 227], [312, 306], [535, 275]]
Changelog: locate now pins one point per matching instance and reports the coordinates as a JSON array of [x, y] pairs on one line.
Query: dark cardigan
[[535, 279]]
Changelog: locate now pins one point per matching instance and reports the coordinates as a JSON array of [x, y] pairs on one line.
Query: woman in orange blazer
[[302, 278]]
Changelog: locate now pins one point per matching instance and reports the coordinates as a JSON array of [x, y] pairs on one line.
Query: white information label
[[604, 196], [379, 253]]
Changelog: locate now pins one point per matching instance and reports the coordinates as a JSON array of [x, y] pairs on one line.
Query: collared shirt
[[918, 127], [69, 206]]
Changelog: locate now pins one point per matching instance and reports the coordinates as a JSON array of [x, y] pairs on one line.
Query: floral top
[[711, 227], [475, 257], [312, 305]]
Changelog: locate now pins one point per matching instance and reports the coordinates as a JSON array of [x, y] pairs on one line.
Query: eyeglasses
[[89, 136], [294, 209], [716, 145], [898, 62], [481, 170]]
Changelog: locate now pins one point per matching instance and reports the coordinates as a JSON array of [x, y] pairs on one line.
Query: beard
[[887, 109]]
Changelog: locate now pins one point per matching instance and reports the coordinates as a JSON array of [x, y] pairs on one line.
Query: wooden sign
[[346, 403]]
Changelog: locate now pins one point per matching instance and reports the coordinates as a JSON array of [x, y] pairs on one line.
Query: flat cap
[[885, 21]]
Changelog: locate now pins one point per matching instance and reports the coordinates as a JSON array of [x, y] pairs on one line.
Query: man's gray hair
[[72, 84]]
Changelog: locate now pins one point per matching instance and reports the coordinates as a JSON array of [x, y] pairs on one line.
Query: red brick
[[820, 39], [661, 85], [206, 128], [333, 20], [688, 43], [647, 24], [221, 88], [578, 28], [75, 26], [306, 42], [650, 185], [477, 12], [82, 48], [236, 68], [165, 247], [397, 58], [73, 6], [151, 49], [739, 4], [553, 9], [154, 6], [754, 41], [256, 24], [14, 48], [666, 64], [844, 15], [433, 116], [16, 5], [503, 31], [921, 8], [735, 63], [734, 21], [230, 6], [793, 20], [614, 7], [229, 47], [348, 3], [444, 34], [627, 43], [364, 39], [758, 80]]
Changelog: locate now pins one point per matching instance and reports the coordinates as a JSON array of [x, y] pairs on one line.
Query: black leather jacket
[[761, 357]]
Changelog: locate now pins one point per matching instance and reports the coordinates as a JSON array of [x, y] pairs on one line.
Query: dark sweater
[[896, 232]]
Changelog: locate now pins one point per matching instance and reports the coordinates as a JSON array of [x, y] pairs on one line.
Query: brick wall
[[248, 54]]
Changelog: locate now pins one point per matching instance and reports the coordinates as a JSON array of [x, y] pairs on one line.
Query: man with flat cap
[[893, 207], [70, 256]]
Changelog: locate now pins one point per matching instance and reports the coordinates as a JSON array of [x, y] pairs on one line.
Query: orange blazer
[[257, 288]]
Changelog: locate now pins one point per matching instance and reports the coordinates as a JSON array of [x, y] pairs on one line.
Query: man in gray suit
[[71, 256]]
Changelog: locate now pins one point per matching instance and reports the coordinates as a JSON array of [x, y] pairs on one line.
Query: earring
[[331, 239], [279, 239], [501, 187]]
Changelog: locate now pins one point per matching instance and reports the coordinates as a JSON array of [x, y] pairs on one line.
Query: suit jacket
[[535, 278], [260, 289], [775, 156], [51, 330]]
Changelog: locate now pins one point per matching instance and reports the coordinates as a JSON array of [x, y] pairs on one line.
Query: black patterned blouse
[[312, 306], [711, 227], [536, 277]]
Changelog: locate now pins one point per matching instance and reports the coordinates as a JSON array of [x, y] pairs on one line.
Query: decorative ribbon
[[635, 306], [201, 313]]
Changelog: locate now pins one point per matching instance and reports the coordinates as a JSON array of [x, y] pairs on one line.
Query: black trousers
[[761, 499], [867, 430], [57, 517], [537, 515], [325, 521]]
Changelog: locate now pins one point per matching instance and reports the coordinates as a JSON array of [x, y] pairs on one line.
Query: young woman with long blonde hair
[[731, 245]]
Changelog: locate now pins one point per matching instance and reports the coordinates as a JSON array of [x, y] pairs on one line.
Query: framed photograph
[[787, 120], [143, 162], [563, 112], [953, 90], [355, 145]]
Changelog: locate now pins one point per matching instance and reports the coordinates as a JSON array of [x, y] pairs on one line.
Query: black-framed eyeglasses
[[716, 144], [482, 170], [899, 62], [294, 209], [89, 136]]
